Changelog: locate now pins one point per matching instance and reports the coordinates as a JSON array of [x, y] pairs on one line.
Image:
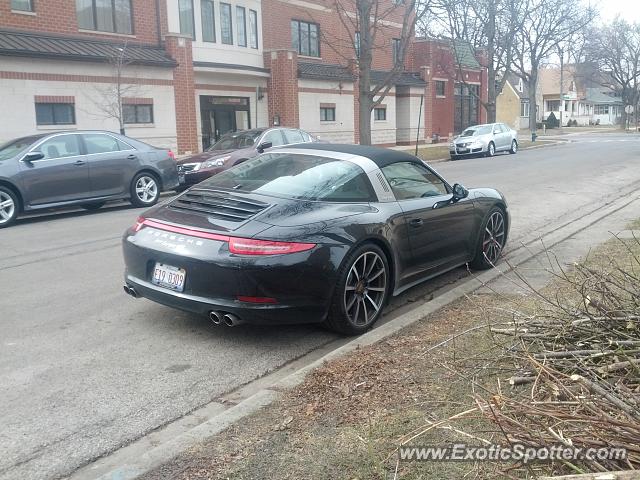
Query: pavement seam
[[159, 455]]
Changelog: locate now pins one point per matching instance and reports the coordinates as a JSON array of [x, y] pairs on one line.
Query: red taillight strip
[[237, 245], [247, 299], [185, 231]]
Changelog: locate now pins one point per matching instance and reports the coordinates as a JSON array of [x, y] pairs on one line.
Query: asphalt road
[[85, 369]]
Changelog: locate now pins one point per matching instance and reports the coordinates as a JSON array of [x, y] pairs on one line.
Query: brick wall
[[283, 86], [179, 48], [276, 27], [59, 17]]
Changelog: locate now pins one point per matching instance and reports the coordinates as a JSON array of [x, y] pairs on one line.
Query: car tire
[[455, 157], [145, 190], [491, 149], [491, 241], [362, 290], [9, 207], [514, 147], [93, 206]]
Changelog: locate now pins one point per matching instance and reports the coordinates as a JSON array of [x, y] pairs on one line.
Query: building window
[[440, 88], [465, 106], [187, 20], [241, 26], [553, 105], [327, 114], [105, 15], [305, 38], [380, 114], [524, 108], [22, 5], [396, 44], [55, 114], [253, 29], [602, 110], [137, 113], [208, 21], [225, 24], [356, 44]]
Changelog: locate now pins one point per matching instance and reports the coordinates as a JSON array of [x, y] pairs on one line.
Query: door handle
[[132, 157], [79, 162], [416, 222]]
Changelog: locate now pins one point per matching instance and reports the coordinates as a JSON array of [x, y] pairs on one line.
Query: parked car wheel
[[455, 157], [514, 147], [145, 190], [9, 207], [492, 239], [361, 292], [93, 206], [491, 149]]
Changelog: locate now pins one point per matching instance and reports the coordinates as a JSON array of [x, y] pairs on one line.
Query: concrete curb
[[179, 444]]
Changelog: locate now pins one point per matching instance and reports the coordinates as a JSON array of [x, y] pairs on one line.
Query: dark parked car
[[310, 233], [234, 148], [85, 168]]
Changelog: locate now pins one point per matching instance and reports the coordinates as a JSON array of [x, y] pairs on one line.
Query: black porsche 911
[[311, 233]]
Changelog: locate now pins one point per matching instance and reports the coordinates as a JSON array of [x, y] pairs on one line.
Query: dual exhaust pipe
[[224, 318], [218, 318], [131, 291]]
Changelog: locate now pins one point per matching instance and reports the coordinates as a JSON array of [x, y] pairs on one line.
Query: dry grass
[[346, 420]]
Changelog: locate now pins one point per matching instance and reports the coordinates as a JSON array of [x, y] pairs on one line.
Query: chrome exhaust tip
[[230, 320], [130, 291], [215, 317]]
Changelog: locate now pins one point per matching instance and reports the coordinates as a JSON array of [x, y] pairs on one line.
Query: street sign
[[628, 109]]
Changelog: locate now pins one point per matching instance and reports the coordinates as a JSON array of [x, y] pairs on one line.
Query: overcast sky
[[627, 9]]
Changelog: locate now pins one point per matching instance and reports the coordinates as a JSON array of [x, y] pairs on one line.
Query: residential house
[[513, 103]]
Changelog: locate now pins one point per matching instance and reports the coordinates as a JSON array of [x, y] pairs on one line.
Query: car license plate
[[169, 277]]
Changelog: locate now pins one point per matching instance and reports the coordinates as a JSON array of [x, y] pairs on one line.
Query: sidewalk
[[349, 415]]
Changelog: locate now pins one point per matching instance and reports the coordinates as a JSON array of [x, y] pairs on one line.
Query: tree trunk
[[533, 86], [364, 8], [491, 71]]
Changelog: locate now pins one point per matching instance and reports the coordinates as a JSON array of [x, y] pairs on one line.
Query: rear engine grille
[[218, 204]]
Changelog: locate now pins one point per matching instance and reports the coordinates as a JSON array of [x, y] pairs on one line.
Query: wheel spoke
[[376, 275], [367, 297], [366, 315], [355, 317], [351, 302], [376, 289]]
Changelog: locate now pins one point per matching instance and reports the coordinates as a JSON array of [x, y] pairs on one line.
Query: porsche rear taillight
[[250, 246], [139, 224], [237, 245]]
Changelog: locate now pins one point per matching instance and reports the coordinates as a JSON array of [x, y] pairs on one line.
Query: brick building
[[194, 69]]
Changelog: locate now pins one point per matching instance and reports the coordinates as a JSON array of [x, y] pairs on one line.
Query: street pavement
[[85, 369]]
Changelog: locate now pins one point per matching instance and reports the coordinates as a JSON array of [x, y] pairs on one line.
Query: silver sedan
[[485, 140]]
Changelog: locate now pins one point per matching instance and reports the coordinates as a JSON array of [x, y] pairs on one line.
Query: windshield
[[236, 140], [12, 148], [474, 131], [305, 177]]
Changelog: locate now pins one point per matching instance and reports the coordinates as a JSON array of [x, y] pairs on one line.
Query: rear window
[[299, 176]]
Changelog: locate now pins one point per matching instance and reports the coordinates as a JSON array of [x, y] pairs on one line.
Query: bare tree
[[368, 25], [490, 25], [110, 98], [616, 50], [546, 24]]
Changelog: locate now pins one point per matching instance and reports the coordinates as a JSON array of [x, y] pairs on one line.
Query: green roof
[[465, 56]]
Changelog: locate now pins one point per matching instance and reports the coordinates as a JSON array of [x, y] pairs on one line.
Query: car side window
[[60, 146], [99, 143], [275, 137], [293, 136], [411, 180]]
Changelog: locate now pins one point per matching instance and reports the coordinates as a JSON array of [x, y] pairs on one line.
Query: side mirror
[[459, 192], [496, 131], [33, 156], [263, 146]]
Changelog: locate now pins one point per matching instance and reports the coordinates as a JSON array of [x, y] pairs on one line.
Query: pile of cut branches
[[579, 354]]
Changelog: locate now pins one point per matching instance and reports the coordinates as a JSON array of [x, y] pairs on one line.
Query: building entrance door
[[221, 115]]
